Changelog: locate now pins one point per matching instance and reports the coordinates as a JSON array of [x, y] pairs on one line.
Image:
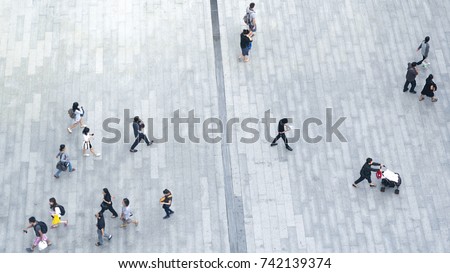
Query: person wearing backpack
[[57, 211], [64, 161], [250, 17], [40, 229], [76, 113]]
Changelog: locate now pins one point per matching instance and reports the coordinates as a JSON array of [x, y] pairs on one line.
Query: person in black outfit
[[282, 129], [101, 229], [138, 128], [411, 77], [429, 89], [246, 44], [107, 203], [366, 172], [166, 202]]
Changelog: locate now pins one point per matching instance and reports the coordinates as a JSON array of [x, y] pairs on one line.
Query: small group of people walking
[[57, 211], [40, 228], [247, 34], [412, 72]]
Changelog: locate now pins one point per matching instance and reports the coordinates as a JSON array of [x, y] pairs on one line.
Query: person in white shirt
[[78, 113], [87, 137], [55, 212], [126, 214]]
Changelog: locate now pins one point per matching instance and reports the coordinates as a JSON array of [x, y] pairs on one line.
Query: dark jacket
[[411, 73], [136, 129], [426, 91], [367, 169]]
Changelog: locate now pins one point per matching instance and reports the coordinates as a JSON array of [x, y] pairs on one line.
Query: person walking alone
[[166, 202], [424, 48], [429, 89], [138, 130], [282, 129], [107, 203], [411, 75], [56, 211], [101, 229], [366, 172], [126, 214], [76, 113], [87, 137], [246, 45], [40, 229], [250, 17], [64, 161]]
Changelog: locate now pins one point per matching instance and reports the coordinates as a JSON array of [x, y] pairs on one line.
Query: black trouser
[[167, 209], [110, 208], [361, 178], [140, 137], [420, 62], [283, 136], [413, 85]]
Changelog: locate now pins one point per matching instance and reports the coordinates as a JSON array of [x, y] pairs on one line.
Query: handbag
[[42, 245], [103, 205], [379, 174], [61, 166]]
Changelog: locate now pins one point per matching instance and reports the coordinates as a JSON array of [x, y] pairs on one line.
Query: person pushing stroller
[[366, 172]]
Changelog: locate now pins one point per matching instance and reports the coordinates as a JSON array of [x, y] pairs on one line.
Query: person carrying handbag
[[64, 161], [107, 203]]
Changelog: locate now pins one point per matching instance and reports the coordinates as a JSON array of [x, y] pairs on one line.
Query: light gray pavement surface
[[154, 57]]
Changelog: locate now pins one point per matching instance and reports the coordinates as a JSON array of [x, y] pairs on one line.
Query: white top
[[126, 212], [390, 175], [56, 211], [87, 137]]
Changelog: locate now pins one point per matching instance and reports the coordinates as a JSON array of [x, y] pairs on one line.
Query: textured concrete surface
[[154, 57]]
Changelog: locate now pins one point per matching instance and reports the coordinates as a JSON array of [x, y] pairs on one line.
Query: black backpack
[[63, 211], [43, 226]]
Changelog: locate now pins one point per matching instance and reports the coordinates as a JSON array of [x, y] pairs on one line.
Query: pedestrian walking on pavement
[[411, 75], [107, 203], [138, 130], [246, 45], [76, 113], [40, 229], [366, 172], [282, 129], [429, 89], [101, 229], [250, 17], [87, 137], [57, 211], [424, 48], [166, 202], [64, 161], [127, 214]]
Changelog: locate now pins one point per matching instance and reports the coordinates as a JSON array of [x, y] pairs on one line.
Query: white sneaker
[[86, 155], [97, 155], [69, 130]]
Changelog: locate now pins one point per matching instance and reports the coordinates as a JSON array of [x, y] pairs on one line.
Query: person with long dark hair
[[107, 203], [429, 89], [76, 113], [87, 137], [56, 213]]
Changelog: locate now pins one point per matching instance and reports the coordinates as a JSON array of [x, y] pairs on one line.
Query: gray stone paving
[[155, 57]]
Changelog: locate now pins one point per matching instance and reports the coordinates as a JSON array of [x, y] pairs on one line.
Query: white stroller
[[391, 180]]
